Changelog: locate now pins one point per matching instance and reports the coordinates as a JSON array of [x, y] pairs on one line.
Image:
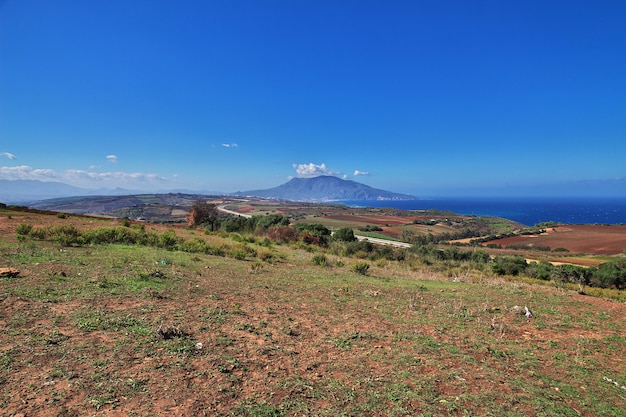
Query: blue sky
[[422, 97]]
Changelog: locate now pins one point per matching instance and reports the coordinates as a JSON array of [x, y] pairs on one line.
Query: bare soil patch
[[586, 239]]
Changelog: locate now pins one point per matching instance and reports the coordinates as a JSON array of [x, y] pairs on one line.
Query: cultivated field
[[268, 330], [590, 239]]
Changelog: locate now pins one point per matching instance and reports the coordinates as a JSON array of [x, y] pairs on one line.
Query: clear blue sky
[[421, 97]]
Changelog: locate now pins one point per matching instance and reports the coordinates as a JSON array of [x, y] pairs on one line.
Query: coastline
[[526, 210]]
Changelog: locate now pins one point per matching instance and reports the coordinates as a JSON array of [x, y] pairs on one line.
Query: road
[[223, 209], [384, 241]]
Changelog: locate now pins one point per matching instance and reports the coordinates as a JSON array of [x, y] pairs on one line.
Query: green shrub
[[195, 245], [320, 260], [24, 229], [168, 240], [509, 265], [238, 254], [361, 268], [345, 234], [265, 255], [241, 252], [66, 235], [364, 246], [38, 233]]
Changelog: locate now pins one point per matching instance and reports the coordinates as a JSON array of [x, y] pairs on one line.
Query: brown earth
[[583, 239]]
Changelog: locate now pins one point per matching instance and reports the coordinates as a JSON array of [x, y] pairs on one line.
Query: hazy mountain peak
[[324, 188]]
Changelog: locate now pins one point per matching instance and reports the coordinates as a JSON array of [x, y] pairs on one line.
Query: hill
[[162, 208], [324, 188], [188, 323], [25, 191]]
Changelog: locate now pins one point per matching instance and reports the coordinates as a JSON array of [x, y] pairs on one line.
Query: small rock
[[9, 272]]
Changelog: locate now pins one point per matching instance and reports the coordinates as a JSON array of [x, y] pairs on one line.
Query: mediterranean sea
[[528, 211]]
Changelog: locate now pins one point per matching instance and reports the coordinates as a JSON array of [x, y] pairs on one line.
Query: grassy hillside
[[261, 329]]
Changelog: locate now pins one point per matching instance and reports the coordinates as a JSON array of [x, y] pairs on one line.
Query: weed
[[320, 260], [24, 229], [247, 327], [170, 332], [256, 268], [360, 268], [248, 409]]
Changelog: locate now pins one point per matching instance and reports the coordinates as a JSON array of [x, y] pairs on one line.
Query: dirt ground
[[584, 239]]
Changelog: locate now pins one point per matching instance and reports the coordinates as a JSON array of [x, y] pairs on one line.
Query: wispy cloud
[[85, 179], [8, 155], [230, 145], [313, 170], [112, 158], [358, 173]]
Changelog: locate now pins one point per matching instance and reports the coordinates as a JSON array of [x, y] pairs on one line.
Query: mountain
[[324, 188], [19, 191], [24, 191]]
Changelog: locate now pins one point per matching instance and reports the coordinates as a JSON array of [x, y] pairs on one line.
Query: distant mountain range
[[21, 191], [324, 188], [318, 189], [24, 192]]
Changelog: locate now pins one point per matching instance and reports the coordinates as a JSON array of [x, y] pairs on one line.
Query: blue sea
[[528, 211]]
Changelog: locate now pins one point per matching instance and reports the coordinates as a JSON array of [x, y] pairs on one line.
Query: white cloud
[[230, 145], [112, 158], [85, 179], [313, 170], [360, 173], [24, 172], [8, 155]]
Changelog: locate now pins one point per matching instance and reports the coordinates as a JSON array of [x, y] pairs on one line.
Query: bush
[[283, 234], [541, 270], [24, 229], [320, 260], [509, 265], [359, 246], [195, 245], [345, 234], [66, 235], [40, 234], [265, 255], [168, 240], [609, 275], [361, 268]]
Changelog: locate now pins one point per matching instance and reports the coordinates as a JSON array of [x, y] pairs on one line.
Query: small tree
[[345, 234], [202, 212]]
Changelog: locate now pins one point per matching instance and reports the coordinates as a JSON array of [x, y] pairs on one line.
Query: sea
[[526, 210]]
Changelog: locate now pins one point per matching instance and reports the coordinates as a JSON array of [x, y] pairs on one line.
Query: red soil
[[588, 239]]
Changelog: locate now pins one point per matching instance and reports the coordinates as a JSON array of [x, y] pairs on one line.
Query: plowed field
[[588, 239]]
